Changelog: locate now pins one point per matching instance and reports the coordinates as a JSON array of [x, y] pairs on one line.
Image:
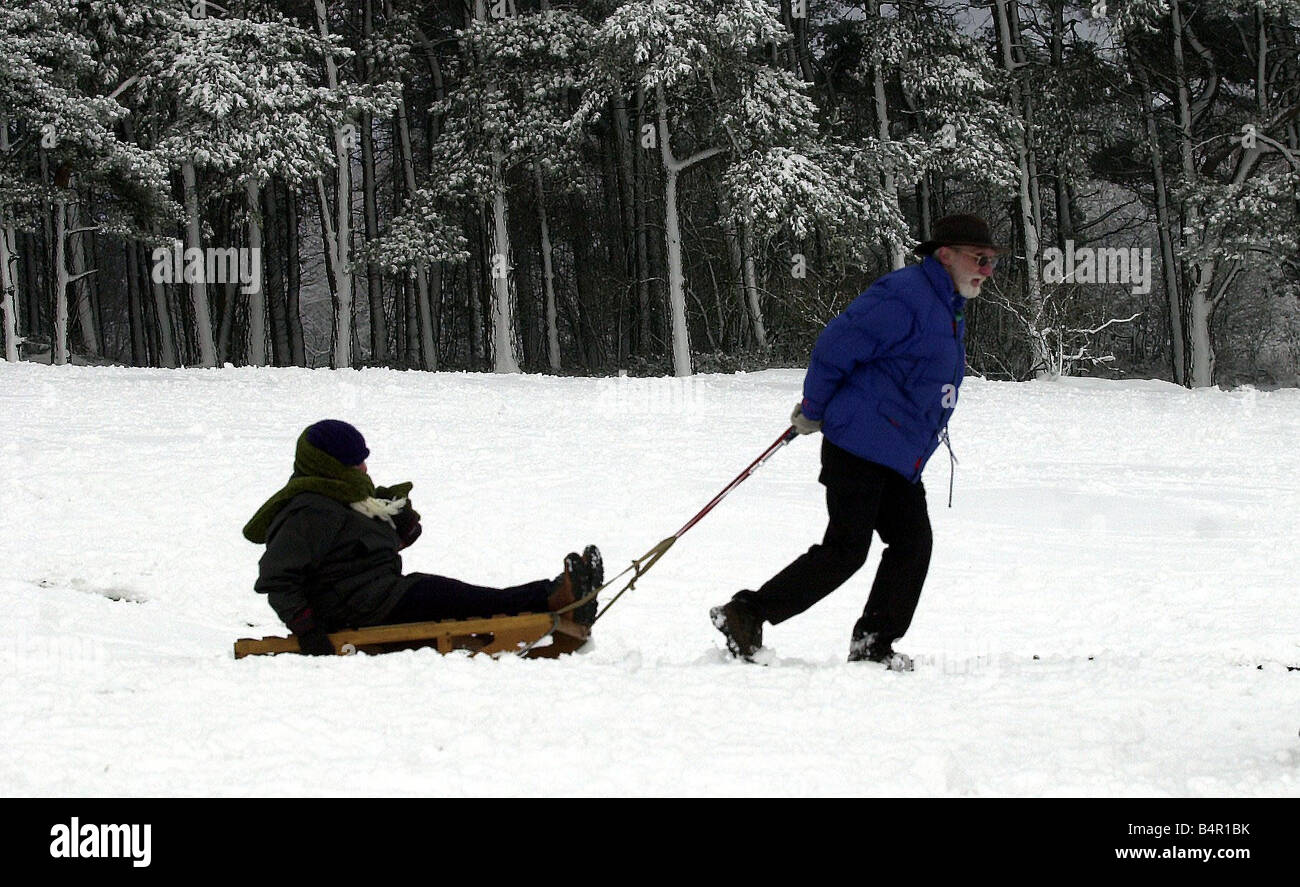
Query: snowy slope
[[1148, 527]]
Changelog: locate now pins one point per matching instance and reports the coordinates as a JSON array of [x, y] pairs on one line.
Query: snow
[[1145, 526]]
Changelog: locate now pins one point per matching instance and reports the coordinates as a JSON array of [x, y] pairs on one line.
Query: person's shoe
[[741, 626], [567, 587], [594, 566], [873, 648]]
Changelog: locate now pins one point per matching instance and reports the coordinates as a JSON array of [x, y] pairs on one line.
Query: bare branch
[[698, 157], [126, 84], [1095, 330]]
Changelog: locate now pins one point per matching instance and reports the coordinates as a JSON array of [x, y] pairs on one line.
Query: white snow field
[[1139, 539]]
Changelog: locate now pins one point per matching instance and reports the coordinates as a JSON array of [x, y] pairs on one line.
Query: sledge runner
[[881, 385], [332, 541]]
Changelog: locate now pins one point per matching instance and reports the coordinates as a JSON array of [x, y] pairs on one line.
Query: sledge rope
[[640, 566]]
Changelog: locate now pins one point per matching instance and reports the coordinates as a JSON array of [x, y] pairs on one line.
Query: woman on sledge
[[332, 541]]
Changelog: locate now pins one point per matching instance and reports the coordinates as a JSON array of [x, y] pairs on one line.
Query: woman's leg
[[437, 597]]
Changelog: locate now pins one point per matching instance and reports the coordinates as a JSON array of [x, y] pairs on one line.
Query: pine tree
[[716, 95], [1223, 154], [61, 78]]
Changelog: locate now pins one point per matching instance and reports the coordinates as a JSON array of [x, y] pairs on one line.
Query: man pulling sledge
[[332, 541], [881, 386]]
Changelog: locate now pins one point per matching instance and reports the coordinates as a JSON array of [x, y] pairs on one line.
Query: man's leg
[[437, 597], [852, 509], [903, 523]]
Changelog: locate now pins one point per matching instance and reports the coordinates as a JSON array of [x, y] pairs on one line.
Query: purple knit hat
[[340, 440]]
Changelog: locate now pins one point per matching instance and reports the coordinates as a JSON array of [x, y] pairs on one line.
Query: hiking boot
[[567, 587], [741, 626], [594, 567], [873, 648]]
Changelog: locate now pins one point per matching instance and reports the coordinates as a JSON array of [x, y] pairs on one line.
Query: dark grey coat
[[323, 554]]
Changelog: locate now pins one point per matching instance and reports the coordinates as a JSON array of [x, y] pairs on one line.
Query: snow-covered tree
[[250, 105], [503, 116], [60, 88], [508, 113], [8, 250], [528, 64], [1223, 151], [714, 94]]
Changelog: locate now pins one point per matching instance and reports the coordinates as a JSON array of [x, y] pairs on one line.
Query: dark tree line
[[654, 185]]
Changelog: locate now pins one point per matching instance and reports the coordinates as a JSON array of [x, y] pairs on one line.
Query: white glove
[[802, 423]]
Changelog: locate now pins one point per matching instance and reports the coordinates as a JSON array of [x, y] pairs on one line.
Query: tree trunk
[[923, 203], [1027, 103], [226, 326], [1064, 198], [198, 286], [87, 319], [275, 297], [474, 283], [548, 278], [505, 359], [1200, 355], [135, 307], [751, 287], [8, 289], [673, 238], [338, 236], [735, 265], [374, 283], [59, 350], [1034, 287], [293, 281], [436, 270], [624, 152], [673, 242], [152, 339], [35, 262], [642, 230], [423, 305], [168, 355], [1164, 226], [257, 298], [888, 180], [8, 256]]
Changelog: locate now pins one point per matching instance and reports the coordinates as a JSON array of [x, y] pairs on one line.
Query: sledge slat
[[497, 634]]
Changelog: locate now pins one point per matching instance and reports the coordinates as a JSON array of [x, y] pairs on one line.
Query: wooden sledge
[[498, 634]]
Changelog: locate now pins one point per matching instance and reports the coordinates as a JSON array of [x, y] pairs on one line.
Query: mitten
[[312, 639], [407, 524]]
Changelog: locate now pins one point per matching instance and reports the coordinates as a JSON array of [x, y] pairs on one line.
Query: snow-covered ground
[[1140, 539]]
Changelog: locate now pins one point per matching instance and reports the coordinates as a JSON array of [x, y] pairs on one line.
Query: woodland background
[[657, 186]]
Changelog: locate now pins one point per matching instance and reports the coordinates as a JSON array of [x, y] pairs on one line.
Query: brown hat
[[959, 231]]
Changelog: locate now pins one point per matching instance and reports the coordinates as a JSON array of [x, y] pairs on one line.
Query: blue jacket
[[884, 375]]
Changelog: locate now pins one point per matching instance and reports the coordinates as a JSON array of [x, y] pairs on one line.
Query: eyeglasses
[[989, 262]]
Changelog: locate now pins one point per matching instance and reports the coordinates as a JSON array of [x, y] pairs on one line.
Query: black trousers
[[861, 497], [437, 597]]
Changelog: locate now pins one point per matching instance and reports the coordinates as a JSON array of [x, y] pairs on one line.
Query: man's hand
[[802, 423]]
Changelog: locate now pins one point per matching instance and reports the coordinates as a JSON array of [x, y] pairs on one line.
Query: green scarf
[[316, 471]]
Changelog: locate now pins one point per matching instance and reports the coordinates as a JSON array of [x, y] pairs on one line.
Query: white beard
[[968, 290]]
